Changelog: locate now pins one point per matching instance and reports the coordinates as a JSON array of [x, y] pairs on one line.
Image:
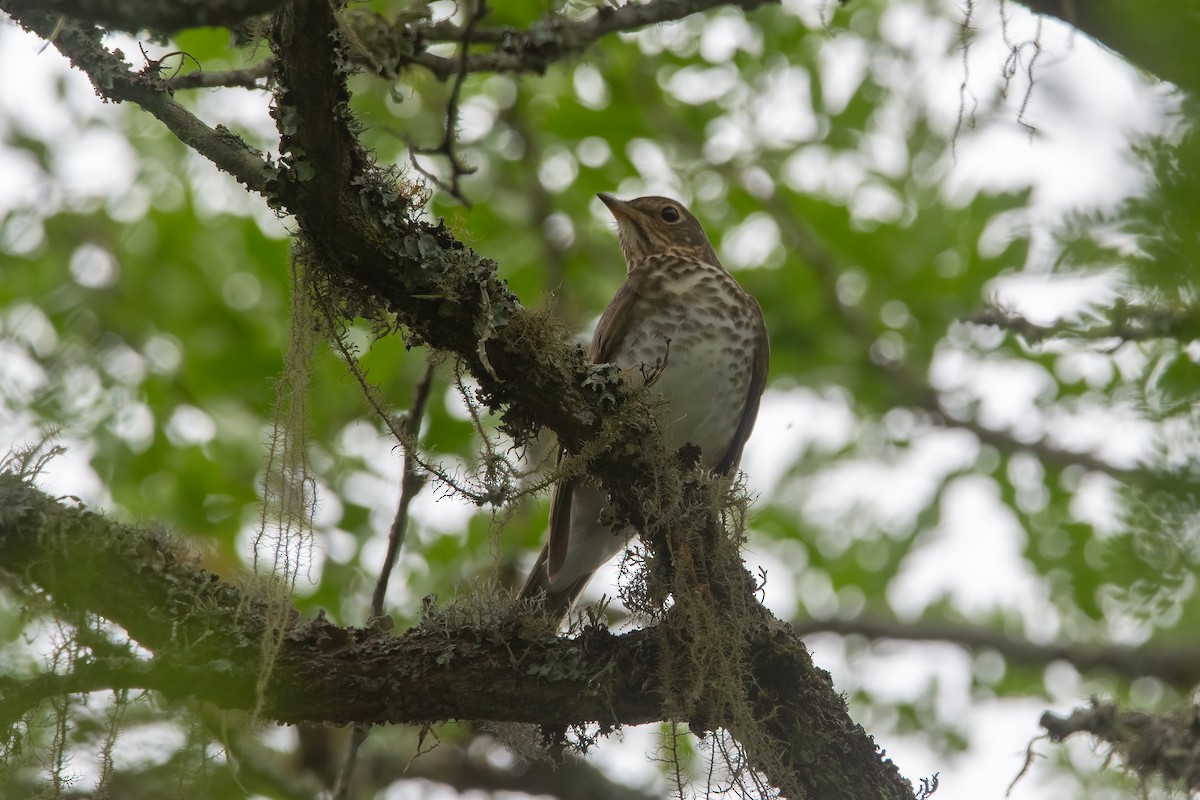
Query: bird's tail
[[555, 601]]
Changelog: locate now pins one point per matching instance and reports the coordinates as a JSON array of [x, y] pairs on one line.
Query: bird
[[682, 326]]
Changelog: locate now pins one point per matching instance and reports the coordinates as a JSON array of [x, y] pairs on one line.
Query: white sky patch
[[1006, 391], [476, 118], [855, 499], [31, 73], [697, 85], [558, 169], [1118, 434], [1044, 299], [751, 242], [22, 178], [97, 164], [727, 32], [652, 164], [1083, 108], [844, 59], [791, 423], [29, 325], [590, 87], [189, 425], [974, 556], [725, 138], [781, 111], [876, 202], [593, 152], [94, 266], [246, 111]]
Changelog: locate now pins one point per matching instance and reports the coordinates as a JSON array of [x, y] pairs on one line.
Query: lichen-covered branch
[[1166, 746], [115, 81], [158, 16], [206, 639], [361, 230], [554, 38]]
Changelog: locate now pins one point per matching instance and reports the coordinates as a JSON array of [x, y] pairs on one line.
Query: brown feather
[[758, 382]]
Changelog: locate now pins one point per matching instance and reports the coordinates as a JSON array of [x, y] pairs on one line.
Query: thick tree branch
[[206, 637], [211, 632], [158, 16]]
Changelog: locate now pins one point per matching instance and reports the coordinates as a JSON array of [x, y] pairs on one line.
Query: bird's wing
[[758, 382], [615, 322], [610, 334], [560, 526], [556, 601]]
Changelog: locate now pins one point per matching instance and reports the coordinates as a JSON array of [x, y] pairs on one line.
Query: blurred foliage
[[147, 323]]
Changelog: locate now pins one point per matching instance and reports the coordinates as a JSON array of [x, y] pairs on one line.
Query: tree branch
[[553, 38], [157, 16], [1178, 665], [206, 637], [1167, 746], [116, 82], [248, 78], [1126, 323]]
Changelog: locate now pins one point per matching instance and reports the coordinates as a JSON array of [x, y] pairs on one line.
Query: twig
[[115, 81], [479, 497], [248, 78], [457, 168], [966, 31], [410, 484], [554, 37], [1012, 64], [345, 778]]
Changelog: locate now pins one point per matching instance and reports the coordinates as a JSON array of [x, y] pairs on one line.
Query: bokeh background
[[886, 178]]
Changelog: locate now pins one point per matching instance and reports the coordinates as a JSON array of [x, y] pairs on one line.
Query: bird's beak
[[619, 208]]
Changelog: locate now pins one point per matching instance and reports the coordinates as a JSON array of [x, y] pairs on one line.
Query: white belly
[[700, 374]]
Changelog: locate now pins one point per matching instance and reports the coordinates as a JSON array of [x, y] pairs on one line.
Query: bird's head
[[650, 226]]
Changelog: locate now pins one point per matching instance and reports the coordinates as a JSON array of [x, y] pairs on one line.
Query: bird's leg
[[652, 373]]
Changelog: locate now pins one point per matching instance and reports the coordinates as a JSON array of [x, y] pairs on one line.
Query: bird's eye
[[670, 213]]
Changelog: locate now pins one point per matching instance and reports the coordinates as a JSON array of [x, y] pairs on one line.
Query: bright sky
[[1086, 106]]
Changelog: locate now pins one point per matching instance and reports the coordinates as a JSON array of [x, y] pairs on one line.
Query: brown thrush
[[682, 324]]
